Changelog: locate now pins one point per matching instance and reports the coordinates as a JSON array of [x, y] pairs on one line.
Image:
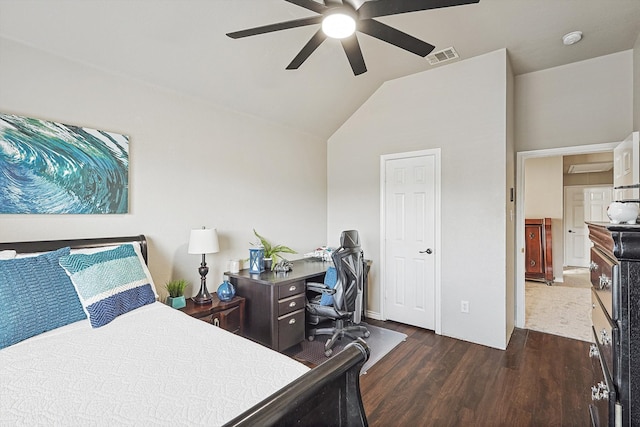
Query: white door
[[626, 167], [410, 205], [582, 204]]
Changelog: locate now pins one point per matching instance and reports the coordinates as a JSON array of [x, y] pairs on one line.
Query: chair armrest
[[320, 288]]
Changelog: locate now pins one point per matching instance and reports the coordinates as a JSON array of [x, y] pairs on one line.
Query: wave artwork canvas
[[53, 168]]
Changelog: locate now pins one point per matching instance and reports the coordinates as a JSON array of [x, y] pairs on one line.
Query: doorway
[[520, 211], [410, 241]]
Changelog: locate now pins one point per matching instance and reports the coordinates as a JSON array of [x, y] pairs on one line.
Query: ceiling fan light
[[338, 25]]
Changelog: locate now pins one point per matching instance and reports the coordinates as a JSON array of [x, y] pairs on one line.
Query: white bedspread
[[126, 373]]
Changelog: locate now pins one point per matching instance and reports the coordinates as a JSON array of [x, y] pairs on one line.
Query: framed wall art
[[53, 168]]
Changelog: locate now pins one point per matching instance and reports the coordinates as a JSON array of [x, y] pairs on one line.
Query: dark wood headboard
[[52, 245]]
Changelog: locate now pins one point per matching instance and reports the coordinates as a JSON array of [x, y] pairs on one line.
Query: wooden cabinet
[[228, 315], [615, 280], [538, 253], [275, 310]]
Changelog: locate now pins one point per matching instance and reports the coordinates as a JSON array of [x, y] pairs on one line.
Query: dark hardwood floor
[[431, 380]]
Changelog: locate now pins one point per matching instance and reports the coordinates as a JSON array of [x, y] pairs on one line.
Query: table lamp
[[203, 241]]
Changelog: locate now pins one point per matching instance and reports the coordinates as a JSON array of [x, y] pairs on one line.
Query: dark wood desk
[[275, 302]]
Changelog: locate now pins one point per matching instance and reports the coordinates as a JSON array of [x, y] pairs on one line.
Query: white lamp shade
[[203, 241]]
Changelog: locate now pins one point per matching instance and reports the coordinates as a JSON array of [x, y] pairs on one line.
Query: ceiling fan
[[341, 18]]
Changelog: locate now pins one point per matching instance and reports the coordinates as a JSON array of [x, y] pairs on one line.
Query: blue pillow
[[109, 283], [36, 296], [330, 279]]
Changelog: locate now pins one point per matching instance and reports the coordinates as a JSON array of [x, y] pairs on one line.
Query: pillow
[[7, 254], [109, 283], [36, 296], [136, 247], [330, 279]]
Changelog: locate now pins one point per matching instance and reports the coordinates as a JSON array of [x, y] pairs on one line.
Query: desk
[[275, 302]]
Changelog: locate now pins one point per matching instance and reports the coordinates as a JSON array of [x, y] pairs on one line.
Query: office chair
[[339, 299]]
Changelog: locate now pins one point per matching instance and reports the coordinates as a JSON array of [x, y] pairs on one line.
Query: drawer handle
[[292, 304], [292, 288], [605, 338], [216, 321], [593, 351], [605, 282], [532, 262], [600, 391], [292, 321]]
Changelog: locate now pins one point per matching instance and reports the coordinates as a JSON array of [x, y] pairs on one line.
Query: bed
[[132, 363]]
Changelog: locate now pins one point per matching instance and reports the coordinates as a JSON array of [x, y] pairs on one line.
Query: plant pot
[[177, 302], [268, 262]]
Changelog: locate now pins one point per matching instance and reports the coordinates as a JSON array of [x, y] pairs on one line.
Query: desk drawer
[[287, 305], [290, 329], [294, 288]]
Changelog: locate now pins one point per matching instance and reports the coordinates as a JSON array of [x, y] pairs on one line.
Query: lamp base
[[202, 299]]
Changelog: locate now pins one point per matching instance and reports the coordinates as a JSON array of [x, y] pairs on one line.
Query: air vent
[[591, 167], [442, 55]]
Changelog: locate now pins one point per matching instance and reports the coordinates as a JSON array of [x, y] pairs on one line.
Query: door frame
[[519, 256], [436, 152]]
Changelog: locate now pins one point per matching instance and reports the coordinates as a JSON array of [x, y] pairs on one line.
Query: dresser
[[538, 254], [275, 302], [615, 353]]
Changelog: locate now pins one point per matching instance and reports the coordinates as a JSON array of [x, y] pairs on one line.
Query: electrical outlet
[[464, 306]]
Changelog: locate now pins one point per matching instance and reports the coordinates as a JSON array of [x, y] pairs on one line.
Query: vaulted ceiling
[[181, 45]]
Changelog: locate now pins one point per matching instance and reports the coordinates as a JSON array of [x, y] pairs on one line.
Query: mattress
[[151, 366]]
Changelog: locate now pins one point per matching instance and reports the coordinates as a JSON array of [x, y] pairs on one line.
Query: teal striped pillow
[[109, 283]]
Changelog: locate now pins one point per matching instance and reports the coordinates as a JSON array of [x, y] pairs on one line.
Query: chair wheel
[[367, 334], [329, 352], [311, 337]]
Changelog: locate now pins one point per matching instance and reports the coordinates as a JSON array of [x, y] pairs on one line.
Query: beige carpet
[[562, 309]]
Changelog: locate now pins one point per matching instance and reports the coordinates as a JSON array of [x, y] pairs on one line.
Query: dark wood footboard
[[327, 395]]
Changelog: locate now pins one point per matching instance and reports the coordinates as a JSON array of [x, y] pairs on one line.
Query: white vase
[[622, 213]]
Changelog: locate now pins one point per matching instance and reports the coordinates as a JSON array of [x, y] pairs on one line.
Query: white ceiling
[[181, 45]]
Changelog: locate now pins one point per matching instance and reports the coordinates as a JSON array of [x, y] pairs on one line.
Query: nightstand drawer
[[290, 304], [229, 320], [290, 329], [290, 289]]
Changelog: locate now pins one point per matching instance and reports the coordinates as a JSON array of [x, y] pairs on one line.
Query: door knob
[[428, 251]]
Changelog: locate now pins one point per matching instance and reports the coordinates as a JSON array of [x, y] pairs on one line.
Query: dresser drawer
[[293, 303], [604, 272], [290, 329], [603, 392], [287, 290], [606, 335]]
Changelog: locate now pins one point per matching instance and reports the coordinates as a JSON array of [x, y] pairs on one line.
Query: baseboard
[[374, 315]]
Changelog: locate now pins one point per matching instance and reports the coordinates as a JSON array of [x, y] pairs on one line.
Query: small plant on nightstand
[[176, 293]]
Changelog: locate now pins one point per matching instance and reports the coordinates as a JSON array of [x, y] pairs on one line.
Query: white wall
[[460, 108], [636, 84], [543, 187], [191, 164], [587, 102]]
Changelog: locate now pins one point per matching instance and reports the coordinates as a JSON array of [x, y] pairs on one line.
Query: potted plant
[[176, 293], [272, 252]]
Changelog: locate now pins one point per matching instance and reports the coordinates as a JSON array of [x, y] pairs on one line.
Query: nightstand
[[228, 315]]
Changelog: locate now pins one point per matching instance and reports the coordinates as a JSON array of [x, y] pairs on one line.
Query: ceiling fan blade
[[310, 4], [354, 54], [372, 9], [276, 27], [307, 50], [395, 37]]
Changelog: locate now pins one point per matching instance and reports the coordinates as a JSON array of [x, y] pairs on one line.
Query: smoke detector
[[572, 38], [442, 56]]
